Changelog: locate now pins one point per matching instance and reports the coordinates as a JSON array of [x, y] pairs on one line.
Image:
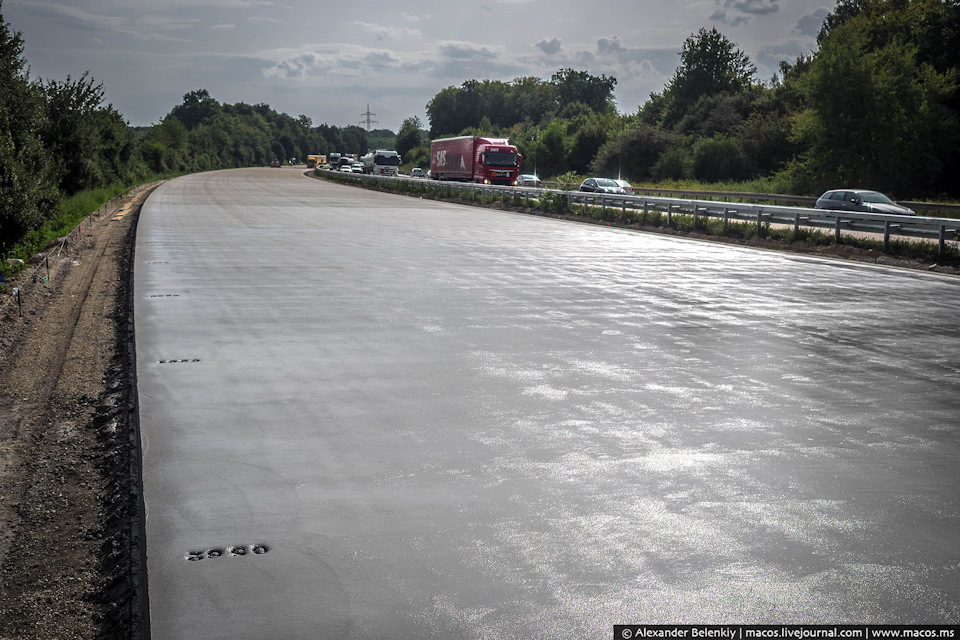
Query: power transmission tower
[[367, 118]]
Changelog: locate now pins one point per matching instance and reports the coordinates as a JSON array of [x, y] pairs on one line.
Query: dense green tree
[[93, 142], [719, 158], [590, 131], [409, 137], [717, 113], [354, 140], [533, 100], [579, 86], [634, 152], [456, 110], [442, 112], [552, 149], [673, 164], [29, 174], [197, 108], [381, 139], [875, 116], [710, 64]]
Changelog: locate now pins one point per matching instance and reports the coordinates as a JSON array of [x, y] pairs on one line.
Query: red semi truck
[[475, 159]]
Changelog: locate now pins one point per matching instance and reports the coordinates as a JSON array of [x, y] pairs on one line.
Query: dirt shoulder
[[68, 442]]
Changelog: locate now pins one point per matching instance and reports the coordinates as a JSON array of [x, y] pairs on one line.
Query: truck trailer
[[475, 159], [381, 163]]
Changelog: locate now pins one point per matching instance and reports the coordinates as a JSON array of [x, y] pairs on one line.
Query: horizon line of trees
[[877, 105], [58, 138]]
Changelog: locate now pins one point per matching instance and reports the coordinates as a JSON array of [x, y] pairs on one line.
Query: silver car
[[861, 200], [601, 185]]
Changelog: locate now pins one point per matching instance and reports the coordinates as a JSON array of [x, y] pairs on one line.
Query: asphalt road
[[373, 416]]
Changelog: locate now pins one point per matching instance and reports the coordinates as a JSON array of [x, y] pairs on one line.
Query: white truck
[[381, 162]]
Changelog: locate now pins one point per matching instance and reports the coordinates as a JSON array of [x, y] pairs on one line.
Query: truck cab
[[499, 164]]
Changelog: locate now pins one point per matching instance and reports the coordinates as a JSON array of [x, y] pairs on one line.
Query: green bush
[[719, 158], [554, 202], [672, 164]]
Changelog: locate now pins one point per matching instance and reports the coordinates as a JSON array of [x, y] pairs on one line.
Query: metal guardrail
[[952, 209], [940, 229]]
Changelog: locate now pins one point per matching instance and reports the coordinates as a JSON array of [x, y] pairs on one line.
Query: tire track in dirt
[[68, 500]]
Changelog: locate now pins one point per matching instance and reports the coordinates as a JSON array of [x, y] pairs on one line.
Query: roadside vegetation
[[557, 204], [876, 105]]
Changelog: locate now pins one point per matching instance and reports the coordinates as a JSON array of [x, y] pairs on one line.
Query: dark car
[[861, 200], [601, 185]]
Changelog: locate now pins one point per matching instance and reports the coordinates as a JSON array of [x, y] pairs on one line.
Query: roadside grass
[[555, 202], [72, 212]]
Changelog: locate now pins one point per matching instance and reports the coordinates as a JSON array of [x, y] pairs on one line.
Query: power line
[[367, 118]]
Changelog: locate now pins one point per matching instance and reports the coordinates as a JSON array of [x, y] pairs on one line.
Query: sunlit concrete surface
[[422, 420]]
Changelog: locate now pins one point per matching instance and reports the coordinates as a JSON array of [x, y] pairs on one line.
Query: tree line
[[874, 106], [58, 138]]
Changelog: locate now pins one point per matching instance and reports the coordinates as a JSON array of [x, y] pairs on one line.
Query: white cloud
[[223, 27], [381, 32]]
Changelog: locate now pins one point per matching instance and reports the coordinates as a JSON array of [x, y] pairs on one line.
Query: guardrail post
[[796, 225], [943, 233], [836, 231], [694, 217], [623, 209], [886, 235], [646, 208], [759, 223], [584, 205], [603, 207], [669, 214], [726, 218]]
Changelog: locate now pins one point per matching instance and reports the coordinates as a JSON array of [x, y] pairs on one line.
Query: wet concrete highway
[[371, 416]]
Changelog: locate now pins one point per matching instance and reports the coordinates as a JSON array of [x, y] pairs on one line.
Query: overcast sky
[[329, 60]]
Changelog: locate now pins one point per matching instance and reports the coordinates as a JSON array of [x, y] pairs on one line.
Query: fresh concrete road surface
[[374, 416]]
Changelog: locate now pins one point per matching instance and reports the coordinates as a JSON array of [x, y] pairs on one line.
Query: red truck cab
[[475, 159]]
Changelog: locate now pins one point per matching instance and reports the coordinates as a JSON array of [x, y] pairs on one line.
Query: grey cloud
[[722, 18], [768, 58], [755, 7], [150, 27], [312, 63], [465, 50], [549, 47], [609, 45], [380, 58], [809, 25]]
